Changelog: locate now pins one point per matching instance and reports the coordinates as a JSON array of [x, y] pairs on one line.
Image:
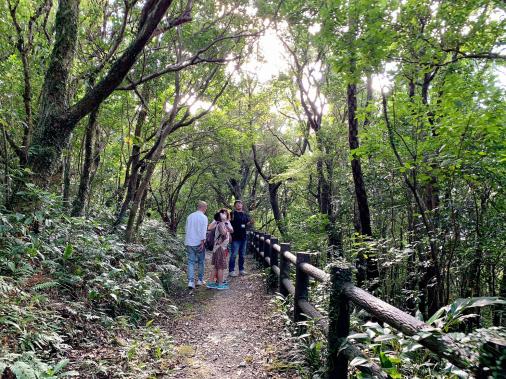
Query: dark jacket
[[239, 223]]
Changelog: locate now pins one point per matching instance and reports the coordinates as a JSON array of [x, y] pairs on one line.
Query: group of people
[[228, 241]]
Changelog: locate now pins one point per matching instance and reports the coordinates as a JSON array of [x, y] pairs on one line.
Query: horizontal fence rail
[[277, 256]]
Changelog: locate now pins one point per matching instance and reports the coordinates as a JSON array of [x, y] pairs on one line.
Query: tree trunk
[[84, 183], [132, 179], [27, 100], [66, 177], [411, 268], [137, 200], [356, 167], [371, 266], [51, 136], [274, 201], [325, 192], [141, 213], [56, 119], [499, 312]]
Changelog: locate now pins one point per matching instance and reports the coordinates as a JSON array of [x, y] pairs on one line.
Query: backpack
[[210, 236]]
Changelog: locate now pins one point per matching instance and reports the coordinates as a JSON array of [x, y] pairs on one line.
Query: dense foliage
[[67, 284], [372, 130]]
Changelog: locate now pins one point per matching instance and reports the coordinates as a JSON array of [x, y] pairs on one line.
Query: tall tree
[[56, 118]]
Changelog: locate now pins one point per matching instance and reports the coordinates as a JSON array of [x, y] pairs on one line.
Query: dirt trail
[[232, 333]]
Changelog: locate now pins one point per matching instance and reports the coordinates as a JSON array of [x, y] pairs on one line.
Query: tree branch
[[257, 165], [120, 67]]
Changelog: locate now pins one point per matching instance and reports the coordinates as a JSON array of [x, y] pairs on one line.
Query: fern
[[45, 286], [23, 271], [23, 370], [5, 287]]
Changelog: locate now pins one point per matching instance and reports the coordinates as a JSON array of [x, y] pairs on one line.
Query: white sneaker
[[200, 283], [232, 274], [242, 272], [191, 284]]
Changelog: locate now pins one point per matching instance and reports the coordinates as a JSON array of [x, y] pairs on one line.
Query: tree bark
[[84, 183], [56, 119], [273, 195], [67, 161], [367, 267], [141, 213], [139, 195], [274, 201], [356, 167], [50, 135], [132, 178]]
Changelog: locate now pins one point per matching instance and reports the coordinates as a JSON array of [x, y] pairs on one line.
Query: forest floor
[[232, 333]]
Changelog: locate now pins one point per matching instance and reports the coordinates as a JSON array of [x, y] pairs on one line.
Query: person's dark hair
[[217, 217], [222, 210], [226, 211], [237, 201]]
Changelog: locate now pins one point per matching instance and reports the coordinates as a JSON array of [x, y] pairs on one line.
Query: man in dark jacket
[[240, 221]]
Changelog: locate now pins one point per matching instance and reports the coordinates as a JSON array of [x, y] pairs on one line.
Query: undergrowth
[[70, 284], [398, 355]]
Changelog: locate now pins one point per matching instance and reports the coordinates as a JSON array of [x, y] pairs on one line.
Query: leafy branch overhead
[[369, 131]]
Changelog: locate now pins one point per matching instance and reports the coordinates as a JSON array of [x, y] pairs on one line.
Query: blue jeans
[[237, 246], [194, 254]]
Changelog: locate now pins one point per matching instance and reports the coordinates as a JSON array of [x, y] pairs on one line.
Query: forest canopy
[[369, 130]]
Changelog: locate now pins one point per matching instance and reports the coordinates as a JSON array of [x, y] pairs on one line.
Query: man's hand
[[202, 245]]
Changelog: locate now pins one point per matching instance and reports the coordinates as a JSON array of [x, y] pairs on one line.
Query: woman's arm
[[222, 229], [211, 226], [229, 227]]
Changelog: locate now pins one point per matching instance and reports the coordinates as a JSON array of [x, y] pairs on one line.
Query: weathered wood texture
[[339, 321], [442, 345], [284, 271], [342, 292], [314, 272], [301, 286]]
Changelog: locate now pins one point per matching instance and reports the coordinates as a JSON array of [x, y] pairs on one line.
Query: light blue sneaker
[[211, 285], [223, 286]]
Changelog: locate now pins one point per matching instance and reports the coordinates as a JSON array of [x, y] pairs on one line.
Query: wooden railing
[[336, 325]]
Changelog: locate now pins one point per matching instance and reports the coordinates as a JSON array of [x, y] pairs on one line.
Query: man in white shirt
[[196, 228]]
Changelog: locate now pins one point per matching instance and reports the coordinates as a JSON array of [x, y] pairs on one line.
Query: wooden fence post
[[274, 262], [248, 243], [284, 268], [257, 244], [339, 321], [253, 242], [301, 285], [261, 245], [267, 250]]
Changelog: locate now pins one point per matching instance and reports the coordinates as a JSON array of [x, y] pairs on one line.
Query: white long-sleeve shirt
[[196, 227]]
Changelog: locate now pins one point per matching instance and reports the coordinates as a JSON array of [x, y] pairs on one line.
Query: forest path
[[231, 333]]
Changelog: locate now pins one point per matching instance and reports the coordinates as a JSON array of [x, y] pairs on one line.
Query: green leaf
[[68, 252], [358, 336], [11, 266], [358, 361], [385, 337], [385, 360], [60, 366]]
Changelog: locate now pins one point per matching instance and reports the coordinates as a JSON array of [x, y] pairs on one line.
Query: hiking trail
[[232, 333]]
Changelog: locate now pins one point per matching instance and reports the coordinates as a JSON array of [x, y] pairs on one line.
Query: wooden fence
[[336, 326]]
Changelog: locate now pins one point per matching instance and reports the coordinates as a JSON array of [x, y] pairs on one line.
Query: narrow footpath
[[232, 333]]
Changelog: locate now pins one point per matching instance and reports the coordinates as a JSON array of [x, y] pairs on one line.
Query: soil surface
[[231, 333]]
